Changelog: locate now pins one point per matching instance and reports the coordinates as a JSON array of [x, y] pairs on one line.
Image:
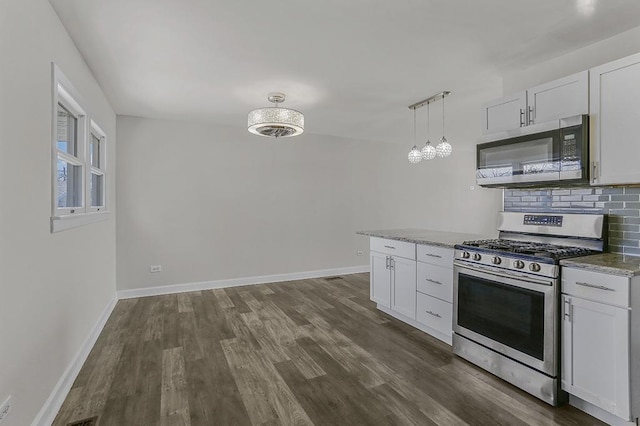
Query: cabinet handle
[[567, 309], [521, 117], [434, 314], [386, 259], [390, 247], [392, 263], [530, 115], [433, 281], [599, 287], [433, 255]]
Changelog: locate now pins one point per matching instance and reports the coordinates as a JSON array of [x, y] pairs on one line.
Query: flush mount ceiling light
[[276, 122], [428, 152]]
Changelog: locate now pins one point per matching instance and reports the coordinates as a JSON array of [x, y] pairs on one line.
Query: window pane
[[67, 131], [97, 190], [96, 155], [69, 184]]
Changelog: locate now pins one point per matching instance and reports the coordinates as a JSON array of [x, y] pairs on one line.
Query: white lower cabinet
[[393, 278], [419, 293], [434, 308], [380, 279], [403, 286], [596, 340], [434, 313]]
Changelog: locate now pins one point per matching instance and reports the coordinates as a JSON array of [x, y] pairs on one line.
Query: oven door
[[511, 313]]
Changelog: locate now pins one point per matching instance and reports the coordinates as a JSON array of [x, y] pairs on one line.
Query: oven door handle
[[498, 274]]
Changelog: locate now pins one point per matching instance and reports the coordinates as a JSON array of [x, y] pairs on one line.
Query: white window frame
[[62, 218], [94, 129]]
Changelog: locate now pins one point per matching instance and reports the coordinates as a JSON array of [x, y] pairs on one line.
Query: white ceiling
[[352, 66]]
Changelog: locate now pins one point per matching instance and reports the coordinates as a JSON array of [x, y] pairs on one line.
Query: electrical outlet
[[359, 253], [155, 268], [4, 409]]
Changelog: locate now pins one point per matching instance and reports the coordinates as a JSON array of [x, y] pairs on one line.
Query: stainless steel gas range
[[506, 296]]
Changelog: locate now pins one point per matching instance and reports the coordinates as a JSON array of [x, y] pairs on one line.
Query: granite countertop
[[608, 263], [425, 236]]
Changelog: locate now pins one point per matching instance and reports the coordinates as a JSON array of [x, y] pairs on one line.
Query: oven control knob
[[534, 267], [465, 255], [476, 256], [519, 264], [496, 260]]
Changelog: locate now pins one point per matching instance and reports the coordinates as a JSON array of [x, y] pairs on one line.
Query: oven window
[[510, 315]]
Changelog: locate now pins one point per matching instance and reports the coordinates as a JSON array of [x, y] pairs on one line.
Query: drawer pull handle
[[390, 247], [434, 314], [433, 281], [433, 255], [599, 287]]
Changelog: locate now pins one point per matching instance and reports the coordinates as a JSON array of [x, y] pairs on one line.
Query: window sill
[[62, 223]]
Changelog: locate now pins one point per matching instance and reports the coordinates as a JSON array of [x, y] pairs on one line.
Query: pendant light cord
[[428, 122], [443, 116], [414, 126]]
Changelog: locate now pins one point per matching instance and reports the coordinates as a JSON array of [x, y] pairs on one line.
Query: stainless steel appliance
[[550, 153], [507, 296]]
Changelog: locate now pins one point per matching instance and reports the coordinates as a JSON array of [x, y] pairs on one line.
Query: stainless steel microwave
[[546, 154]]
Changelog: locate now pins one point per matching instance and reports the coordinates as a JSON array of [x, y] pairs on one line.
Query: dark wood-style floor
[[303, 352]]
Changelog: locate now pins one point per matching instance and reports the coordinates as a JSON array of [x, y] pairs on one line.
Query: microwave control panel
[[546, 220]]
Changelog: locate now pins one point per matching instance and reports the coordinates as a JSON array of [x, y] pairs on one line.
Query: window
[[97, 143], [78, 160]]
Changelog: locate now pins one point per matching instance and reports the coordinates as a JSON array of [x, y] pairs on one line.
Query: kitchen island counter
[[425, 236]]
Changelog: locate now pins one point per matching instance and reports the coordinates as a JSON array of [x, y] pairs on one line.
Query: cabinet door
[[615, 114], [403, 286], [380, 279], [595, 353], [558, 99], [506, 113]]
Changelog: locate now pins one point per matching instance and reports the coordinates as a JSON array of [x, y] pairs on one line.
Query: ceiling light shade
[[428, 151], [415, 156], [275, 122], [444, 148]]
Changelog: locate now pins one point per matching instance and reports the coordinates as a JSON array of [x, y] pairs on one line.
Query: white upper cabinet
[[565, 97], [504, 114], [561, 98], [615, 114]]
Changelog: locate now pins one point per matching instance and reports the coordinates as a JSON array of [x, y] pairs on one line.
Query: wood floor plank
[[223, 298], [313, 351], [174, 402], [184, 301]]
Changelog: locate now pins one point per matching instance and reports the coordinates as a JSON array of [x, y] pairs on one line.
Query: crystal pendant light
[[415, 156], [444, 148], [428, 151]]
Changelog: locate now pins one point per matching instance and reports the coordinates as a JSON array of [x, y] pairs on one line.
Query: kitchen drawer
[[393, 247], [434, 313], [604, 288], [436, 281], [441, 256]]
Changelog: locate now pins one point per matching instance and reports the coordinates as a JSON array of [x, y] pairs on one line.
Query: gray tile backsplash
[[620, 204]]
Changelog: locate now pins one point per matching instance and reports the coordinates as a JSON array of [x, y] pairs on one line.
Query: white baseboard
[[236, 282], [51, 407]]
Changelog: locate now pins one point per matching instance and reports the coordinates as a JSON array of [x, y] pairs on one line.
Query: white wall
[[209, 202], [616, 47], [53, 287]]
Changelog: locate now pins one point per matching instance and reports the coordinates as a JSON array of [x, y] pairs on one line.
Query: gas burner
[[529, 248]]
